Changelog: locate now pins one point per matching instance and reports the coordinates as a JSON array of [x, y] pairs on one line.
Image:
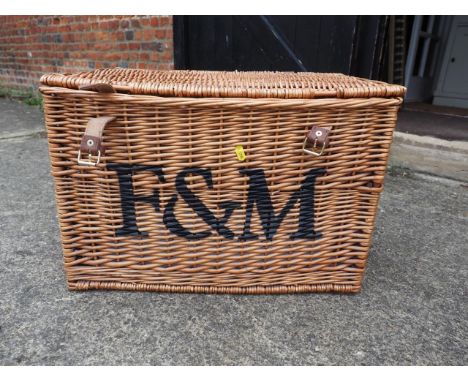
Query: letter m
[[259, 195]]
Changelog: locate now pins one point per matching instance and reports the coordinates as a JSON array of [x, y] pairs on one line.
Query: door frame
[[421, 85], [442, 97]]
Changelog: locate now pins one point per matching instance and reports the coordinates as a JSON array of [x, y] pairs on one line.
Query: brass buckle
[[315, 153], [89, 162]]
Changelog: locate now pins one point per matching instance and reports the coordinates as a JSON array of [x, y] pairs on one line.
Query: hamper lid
[[188, 83]]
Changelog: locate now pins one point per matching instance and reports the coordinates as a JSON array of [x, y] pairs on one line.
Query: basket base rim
[[273, 289]]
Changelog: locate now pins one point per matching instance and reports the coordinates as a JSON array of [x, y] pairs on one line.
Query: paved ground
[[413, 308], [434, 121], [430, 155]]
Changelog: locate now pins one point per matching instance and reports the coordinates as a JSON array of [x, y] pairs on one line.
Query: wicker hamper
[[217, 182]]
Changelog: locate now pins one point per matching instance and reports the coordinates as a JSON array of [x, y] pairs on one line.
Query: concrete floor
[[412, 310]]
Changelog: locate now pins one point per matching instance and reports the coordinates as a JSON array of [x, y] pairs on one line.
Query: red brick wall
[[33, 45]]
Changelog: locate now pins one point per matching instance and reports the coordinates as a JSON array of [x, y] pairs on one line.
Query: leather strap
[[100, 88], [316, 140], [319, 136], [91, 143]]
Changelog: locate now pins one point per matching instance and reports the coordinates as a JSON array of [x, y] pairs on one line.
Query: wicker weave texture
[[185, 83], [208, 222]]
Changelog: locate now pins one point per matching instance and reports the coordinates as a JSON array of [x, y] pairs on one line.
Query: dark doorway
[[345, 44]]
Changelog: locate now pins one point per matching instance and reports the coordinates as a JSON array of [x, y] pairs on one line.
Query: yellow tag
[[240, 153]]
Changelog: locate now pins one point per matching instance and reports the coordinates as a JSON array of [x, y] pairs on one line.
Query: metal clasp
[[315, 153], [89, 162]]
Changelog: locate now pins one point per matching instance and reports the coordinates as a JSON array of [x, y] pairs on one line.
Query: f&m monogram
[[258, 196]]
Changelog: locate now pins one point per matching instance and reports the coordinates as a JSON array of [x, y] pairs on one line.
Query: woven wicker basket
[[217, 182]]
